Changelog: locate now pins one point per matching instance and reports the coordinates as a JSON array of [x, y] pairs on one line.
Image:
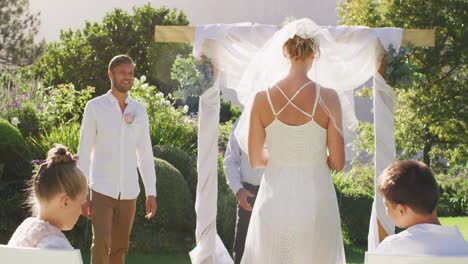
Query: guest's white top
[[111, 148], [237, 166], [34, 232], [425, 239]]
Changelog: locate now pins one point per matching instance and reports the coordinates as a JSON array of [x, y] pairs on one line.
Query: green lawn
[[147, 259], [354, 254], [460, 221]]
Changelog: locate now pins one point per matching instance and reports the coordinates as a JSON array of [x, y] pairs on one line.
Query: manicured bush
[[172, 230], [12, 212], [226, 218], [181, 161], [355, 194], [14, 160], [355, 211]]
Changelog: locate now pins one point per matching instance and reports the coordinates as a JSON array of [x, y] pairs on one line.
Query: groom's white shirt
[[111, 149], [425, 239]]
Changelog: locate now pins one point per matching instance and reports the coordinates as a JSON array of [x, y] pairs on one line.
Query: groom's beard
[[122, 87]]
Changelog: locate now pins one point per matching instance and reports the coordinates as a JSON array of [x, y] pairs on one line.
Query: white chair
[[371, 258], [19, 255]]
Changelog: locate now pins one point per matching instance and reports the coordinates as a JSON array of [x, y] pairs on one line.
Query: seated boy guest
[[411, 195], [57, 192]]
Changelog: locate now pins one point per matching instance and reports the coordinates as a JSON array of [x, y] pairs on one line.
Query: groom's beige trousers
[[112, 221]]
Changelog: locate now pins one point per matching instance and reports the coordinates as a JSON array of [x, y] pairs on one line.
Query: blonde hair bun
[[59, 154]]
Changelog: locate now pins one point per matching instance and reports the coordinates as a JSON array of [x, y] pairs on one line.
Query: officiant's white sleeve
[[145, 158], [87, 139], [232, 164]]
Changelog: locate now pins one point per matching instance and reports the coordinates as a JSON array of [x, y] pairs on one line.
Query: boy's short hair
[[411, 183], [120, 59]]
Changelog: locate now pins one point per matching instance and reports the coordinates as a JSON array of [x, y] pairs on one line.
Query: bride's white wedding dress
[[295, 218]]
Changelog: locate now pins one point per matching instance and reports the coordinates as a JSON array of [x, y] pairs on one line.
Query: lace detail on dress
[[32, 231]]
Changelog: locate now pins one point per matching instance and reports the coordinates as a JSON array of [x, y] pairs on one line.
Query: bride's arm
[[335, 140], [258, 155]]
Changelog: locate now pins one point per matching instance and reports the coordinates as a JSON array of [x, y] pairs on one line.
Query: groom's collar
[[112, 98]]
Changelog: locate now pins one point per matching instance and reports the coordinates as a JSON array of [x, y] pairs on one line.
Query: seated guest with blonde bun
[[57, 192]]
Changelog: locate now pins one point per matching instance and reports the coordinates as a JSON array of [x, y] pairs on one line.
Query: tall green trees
[[18, 27], [432, 114], [81, 57]]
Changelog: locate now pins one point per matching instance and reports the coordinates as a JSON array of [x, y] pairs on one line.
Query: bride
[[296, 217]]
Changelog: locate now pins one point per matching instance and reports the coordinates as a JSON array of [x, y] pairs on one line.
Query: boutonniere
[[128, 117]]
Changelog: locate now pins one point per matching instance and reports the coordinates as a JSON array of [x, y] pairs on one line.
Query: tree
[[81, 57], [430, 115], [17, 30]]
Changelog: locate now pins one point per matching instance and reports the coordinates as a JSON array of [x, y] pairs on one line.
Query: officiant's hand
[[242, 196], [150, 207]]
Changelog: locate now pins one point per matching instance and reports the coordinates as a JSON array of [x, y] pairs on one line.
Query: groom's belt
[[250, 187]]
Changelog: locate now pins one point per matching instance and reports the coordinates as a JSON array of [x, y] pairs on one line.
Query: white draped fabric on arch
[[231, 48]]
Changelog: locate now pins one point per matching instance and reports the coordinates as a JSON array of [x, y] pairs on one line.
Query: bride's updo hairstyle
[[58, 174], [298, 48]]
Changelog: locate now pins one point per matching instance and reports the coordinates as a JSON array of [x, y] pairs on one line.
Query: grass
[[460, 221], [146, 259], [354, 254]]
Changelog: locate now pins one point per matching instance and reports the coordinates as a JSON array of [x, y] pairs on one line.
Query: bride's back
[[290, 115]]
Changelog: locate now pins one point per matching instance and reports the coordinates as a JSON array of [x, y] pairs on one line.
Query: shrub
[[224, 134], [355, 194], [15, 159], [355, 210], [27, 117], [168, 125], [63, 104], [226, 218], [228, 112], [66, 134], [182, 161], [453, 192], [12, 212], [172, 230]]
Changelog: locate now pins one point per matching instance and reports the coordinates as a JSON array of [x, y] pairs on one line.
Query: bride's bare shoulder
[[329, 95], [261, 98]]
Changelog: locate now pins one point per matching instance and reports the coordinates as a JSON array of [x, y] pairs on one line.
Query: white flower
[[143, 78], [15, 121], [185, 109], [167, 102]]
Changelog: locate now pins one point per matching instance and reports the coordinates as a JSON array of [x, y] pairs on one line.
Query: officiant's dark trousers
[[243, 219]]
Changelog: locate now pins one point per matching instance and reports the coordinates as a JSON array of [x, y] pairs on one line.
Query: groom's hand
[[150, 207], [242, 196]]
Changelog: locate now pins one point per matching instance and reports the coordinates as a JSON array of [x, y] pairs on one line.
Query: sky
[[58, 15]]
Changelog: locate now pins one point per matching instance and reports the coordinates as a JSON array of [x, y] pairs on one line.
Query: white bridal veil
[[339, 65]]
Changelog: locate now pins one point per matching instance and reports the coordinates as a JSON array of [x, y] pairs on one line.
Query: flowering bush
[[194, 76], [62, 104], [168, 125]]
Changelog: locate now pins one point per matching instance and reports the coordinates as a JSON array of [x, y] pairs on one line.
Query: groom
[[114, 142]]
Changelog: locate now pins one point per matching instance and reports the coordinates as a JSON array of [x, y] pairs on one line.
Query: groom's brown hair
[[120, 59], [411, 183]]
